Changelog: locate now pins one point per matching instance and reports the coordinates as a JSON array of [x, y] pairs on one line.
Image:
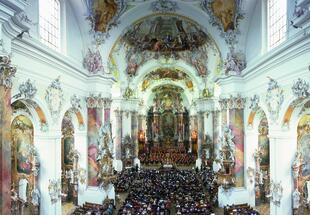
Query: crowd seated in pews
[[125, 179], [160, 155], [209, 181], [242, 209], [107, 208], [166, 191]]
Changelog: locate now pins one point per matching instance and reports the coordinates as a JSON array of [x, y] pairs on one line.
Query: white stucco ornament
[[54, 98], [274, 99]]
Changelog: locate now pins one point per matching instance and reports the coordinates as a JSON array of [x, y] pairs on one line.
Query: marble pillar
[[6, 74], [94, 116], [236, 124]]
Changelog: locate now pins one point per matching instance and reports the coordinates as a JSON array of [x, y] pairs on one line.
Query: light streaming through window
[[50, 23], [277, 22]]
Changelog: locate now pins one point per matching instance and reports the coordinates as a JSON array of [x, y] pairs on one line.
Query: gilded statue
[[104, 11], [225, 10]]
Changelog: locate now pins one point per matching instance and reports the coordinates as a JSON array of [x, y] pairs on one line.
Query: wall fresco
[[94, 123], [236, 124]]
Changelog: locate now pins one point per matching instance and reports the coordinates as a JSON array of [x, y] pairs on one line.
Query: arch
[[24, 157], [149, 66], [31, 108], [291, 114], [208, 64], [77, 120]]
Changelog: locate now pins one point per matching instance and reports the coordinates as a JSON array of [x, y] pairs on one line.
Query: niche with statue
[[25, 194]]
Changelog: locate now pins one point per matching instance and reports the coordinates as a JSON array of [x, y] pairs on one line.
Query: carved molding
[[93, 62], [274, 99], [54, 98], [164, 6], [234, 63], [232, 102], [75, 103], [7, 71], [107, 103], [27, 90], [95, 101], [300, 88], [254, 102]]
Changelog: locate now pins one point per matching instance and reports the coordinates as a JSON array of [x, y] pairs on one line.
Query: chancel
[[157, 107]]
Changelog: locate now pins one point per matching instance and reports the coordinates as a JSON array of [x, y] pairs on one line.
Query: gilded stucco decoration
[[274, 99], [54, 98], [129, 93], [103, 16]]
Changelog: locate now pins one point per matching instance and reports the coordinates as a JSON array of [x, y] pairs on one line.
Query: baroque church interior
[[157, 107]]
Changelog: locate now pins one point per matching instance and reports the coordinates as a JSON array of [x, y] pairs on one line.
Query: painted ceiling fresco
[[166, 74], [169, 37], [167, 97], [165, 34]]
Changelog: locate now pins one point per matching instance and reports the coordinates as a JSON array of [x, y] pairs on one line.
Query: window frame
[[57, 44], [270, 46]]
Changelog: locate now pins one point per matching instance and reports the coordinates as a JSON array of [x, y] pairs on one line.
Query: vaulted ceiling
[[145, 43]]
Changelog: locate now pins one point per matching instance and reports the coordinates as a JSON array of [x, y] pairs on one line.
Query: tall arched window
[[49, 21], [277, 22]]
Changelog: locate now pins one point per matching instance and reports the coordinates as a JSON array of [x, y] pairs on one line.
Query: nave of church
[[156, 107]]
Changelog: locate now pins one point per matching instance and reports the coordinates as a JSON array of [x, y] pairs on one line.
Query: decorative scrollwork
[[274, 99], [27, 90], [7, 71], [300, 88], [54, 98], [164, 6]]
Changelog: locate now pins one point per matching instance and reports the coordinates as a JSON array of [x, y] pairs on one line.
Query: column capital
[[7, 71], [94, 101], [107, 103], [232, 102]]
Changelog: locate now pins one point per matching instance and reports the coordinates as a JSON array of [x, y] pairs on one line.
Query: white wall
[[254, 34]]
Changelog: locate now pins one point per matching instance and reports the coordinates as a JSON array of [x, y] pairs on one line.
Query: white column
[[208, 123], [251, 143], [49, 150], [126, 123], [80, 144], [282, 151]]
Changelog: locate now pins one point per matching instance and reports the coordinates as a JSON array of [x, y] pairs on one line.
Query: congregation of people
[[160, 155], [163, 192], [107, 208]]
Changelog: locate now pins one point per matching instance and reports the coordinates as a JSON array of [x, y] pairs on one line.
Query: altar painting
[[22, 135]]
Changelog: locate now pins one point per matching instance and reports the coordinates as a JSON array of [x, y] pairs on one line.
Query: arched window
[[277, 22], [49, 21]]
